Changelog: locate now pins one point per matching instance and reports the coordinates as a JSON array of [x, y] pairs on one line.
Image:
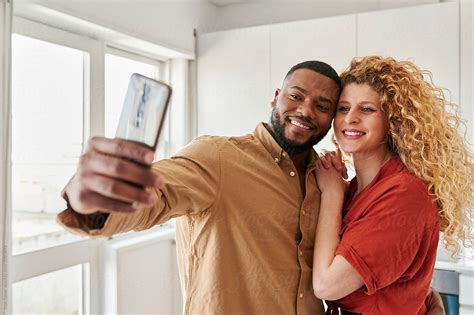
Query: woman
[[376, 243]]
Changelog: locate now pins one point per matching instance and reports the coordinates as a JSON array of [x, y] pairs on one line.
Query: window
[[58, 292], [59, 83], [47, 137]]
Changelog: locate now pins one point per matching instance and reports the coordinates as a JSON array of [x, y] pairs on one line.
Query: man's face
[[303, 110]]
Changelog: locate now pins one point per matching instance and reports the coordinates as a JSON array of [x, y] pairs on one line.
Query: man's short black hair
[[319, 67]]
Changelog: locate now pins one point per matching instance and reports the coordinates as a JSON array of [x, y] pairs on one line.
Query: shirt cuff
[[86, 225], [356, 261]]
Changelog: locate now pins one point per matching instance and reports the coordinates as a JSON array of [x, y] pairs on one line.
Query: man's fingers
[[122, 148], [117, 190], [100, 203], [118, 168]]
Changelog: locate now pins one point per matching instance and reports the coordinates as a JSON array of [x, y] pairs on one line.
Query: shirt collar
[[270, 144], [392, 166]]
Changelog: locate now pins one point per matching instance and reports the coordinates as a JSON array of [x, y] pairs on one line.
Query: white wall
[[467, 61], [233, 78], [239, 69], [268, 12], [416, 34]]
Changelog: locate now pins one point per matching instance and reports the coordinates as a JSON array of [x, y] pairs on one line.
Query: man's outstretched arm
[[116, 189]]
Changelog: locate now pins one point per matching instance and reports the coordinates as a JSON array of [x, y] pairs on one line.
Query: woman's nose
[[351, 117]]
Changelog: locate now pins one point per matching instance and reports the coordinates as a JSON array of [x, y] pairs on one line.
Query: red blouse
[[390, 234]]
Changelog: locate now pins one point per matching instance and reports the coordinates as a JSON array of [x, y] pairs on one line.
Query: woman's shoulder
[[407, 191], [405, 182]]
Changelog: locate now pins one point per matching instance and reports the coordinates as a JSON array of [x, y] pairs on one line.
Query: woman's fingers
[[334, 159]]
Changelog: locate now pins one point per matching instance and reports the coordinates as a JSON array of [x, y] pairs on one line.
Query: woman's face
[[360, 125]]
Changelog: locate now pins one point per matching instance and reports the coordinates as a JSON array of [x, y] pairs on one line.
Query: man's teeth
[[293, 122], [353, 133]]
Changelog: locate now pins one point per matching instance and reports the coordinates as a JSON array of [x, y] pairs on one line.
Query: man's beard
[[289, 146]]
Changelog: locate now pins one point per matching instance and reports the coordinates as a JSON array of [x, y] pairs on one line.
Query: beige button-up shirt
[[245, 230]]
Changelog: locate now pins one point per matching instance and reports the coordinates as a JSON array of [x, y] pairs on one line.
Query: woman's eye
[[368, 110], [342, 109]]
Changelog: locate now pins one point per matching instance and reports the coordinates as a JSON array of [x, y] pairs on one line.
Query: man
[[247, 206]]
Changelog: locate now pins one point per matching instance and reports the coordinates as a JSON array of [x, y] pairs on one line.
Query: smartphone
[[144, 110]]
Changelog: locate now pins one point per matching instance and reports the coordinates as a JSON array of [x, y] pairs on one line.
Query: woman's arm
[[333, 276]]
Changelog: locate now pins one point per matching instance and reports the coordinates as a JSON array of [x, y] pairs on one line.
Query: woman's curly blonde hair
[[424, 130]]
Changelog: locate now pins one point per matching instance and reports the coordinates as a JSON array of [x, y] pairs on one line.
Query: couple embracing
[[265, 225]]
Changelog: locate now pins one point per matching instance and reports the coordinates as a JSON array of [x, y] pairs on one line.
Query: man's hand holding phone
[[111, 177], [113, 174]]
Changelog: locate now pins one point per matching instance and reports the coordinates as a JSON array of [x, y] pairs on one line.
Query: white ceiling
[[227, 2], [221, 3]]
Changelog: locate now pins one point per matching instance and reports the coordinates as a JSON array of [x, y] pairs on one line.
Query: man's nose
[[306, 109]]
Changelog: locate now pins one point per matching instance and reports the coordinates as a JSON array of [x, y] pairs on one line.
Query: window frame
[[6, 17], [84, 252]]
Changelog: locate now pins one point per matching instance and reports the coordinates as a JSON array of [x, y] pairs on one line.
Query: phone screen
[[143, 110]]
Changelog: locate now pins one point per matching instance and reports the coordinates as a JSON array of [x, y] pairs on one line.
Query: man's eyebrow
[[320, 98], [298, 88]]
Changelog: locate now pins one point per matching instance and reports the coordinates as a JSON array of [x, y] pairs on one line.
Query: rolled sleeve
[[383, 244], [358, 263]]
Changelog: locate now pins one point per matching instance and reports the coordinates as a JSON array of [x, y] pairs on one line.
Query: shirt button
[[301, 295], [301, 253], [292, 173], [283, 154], [277, 160], [304, 212]]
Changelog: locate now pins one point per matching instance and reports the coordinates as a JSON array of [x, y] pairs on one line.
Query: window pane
[[117, 73], [58, 292], [47, 132]]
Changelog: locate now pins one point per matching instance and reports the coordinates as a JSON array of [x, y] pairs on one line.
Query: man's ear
[[275, 98]]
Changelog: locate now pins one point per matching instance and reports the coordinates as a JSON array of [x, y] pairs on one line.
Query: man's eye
[[323, 107], [295, 97]]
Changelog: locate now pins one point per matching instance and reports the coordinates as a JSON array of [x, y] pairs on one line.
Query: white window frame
[[85, 252], [6, 13]]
